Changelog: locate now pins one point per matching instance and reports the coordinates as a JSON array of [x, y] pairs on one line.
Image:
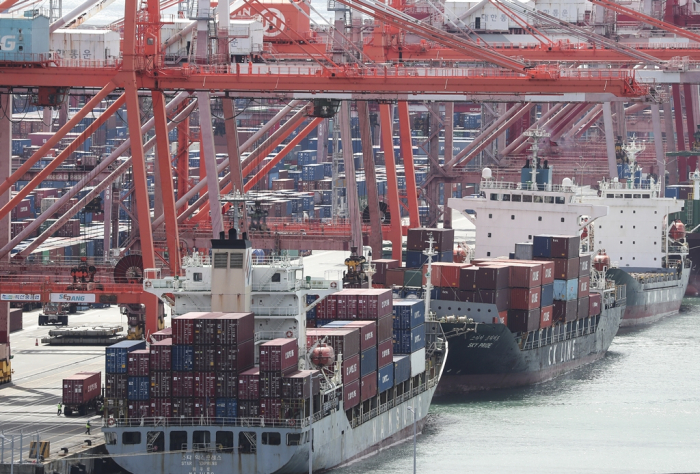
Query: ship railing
[[209, 421], [274, 311], [514, 186]]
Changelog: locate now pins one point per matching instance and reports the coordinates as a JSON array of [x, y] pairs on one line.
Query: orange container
[[444, 274]]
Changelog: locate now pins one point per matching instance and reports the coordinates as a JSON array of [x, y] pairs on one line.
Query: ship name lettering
[[369, 335], [288, 354], [567, 352]]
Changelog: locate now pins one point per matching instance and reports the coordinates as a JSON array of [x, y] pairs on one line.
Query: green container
[[413, 278], [83, 249]]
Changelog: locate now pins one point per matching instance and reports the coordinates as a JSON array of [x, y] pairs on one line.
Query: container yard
[[328, 216]]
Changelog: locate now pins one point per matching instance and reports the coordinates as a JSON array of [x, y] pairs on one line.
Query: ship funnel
[[486, 173]]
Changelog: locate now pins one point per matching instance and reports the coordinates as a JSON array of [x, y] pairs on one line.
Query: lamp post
[[411, 409]]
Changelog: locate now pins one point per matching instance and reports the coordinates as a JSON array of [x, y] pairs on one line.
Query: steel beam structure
[[610, 139], [5, 172], [521, 142], [395, 234], [659, 147], [354, 215], [410, 172], [375, 235]]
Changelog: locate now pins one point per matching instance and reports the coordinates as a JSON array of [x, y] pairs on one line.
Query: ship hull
[[649, 302], [336, 442], [490, 357], [693, 241]]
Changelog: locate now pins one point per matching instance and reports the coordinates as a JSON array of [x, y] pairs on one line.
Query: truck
[[56, 314], [82, 393], [5, 363]]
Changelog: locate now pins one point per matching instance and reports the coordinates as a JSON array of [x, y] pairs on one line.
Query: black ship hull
[[693, 241], [489, 356]]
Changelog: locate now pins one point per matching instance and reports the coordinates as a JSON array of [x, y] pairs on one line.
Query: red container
[[584, 265], [468, 277], [234, 358], [469, 296], [368, 386], [327, 308], [583, 307], [525, 275], [525, 298], [205, 407], [204, 384], [502, 318], [183, 384], [381, 266], [163, 334], [565, 246], [279, 355], [139, 409], [350, 369], [161, 407], [183, 328], [203, 358], [81, 387], [583, 286], [385, 328], [385, 353], [520, 320], [138, 363], [249, 384], [353, 310], [547, 272], [498, 297], [4, 327], [492, 277], [594, 304], [235, 328], [205, 328], [368, 333], [161, 355], [394, 277], [443, 239], [116, 385], [351, 394], [183, 407], [374, 303], [565, 310], [161, 384], [270, 385], [566, 269], [546, 317], [248, 409], [301, 384], [271, 408], [342, 301], [345, 341], [445, 274]]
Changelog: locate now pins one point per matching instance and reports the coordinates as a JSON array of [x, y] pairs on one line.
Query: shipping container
[[525, 275], [381, 267], [468, 277], [583, 286], [525, 298], [350, 369], [546, 316], [520, 320], [281, 355], [183, 358], [183, 384], [249, 384], [584, 266], [408, 314], [235, 328], [116, 385], [492, 277], [204, 407], [566, 269], [565, 246], [351, 394], [417, 362], [161, 384], [248, 408], [524, 251], [368, 386], [443, 239], [500, 297], [368, 333], [594, 304], [565, 310], [81, 388], [583, 310], [301, 384], [368, 361], [407, 341], [444, 274], [183, 328], [270, 384], [374, 303], [183, 407], [138, 388], [139, 363], [542, 246], [205, 384], [226, 408], [402, 368], [385, 376], [385, 328], [547, 296], [394, 277], [345, 341], [139, 408], [161, 357], [203, 357], [161, 407], [566, 290], [234, 358], [116, 356], [271, 408], [385, 353]]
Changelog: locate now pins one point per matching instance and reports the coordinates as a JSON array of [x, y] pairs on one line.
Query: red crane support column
[[690, 124], [234, 157], [392, 187], [5, 171], [449, 135], [166, 182], [375, 225], [680, 141], [350, 182], [183, 155], [407, 153]]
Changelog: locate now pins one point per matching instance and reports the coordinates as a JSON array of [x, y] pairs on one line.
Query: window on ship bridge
[[131, 437], [271, 438], [527, 198], [517, 197]]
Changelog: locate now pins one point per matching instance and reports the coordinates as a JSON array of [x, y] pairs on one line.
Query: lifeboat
[[459, 256], [601, 261], [323, 356], [677, 230]]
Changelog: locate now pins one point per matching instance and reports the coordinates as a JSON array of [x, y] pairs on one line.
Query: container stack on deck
[[117, 376]]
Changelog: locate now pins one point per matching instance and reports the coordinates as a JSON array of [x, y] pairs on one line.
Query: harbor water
[[635, 411]]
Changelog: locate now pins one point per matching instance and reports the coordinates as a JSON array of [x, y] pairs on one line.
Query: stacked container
[[138, 381], [417, 241], [117, 377], [409, 332], [278, 358], [234, 353], [161, 356]]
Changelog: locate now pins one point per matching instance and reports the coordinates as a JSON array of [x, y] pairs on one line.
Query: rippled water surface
[[637, 411]]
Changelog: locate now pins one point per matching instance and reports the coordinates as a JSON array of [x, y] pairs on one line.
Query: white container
[[246, 37], [417, 362], [93, 45]]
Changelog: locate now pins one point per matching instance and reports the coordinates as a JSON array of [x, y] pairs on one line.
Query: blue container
[[336, 324], [547, 297], [327, 170], [542, 246], [445, 256], [116, 355], [312, 172], [86, 218], [368, 361], [326, 197], [306, 157], [402, 369], [566, 290], [226, 408], [408, 314], [385, 378], [138, 388], [307, 203], [407, 341], [415, 258], [182, 358]]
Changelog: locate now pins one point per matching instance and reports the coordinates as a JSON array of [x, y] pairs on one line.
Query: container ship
[[239, 384], [626, 219]]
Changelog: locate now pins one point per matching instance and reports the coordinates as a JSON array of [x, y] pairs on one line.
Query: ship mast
[[632, 150], [429, 252], [535, 134]]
